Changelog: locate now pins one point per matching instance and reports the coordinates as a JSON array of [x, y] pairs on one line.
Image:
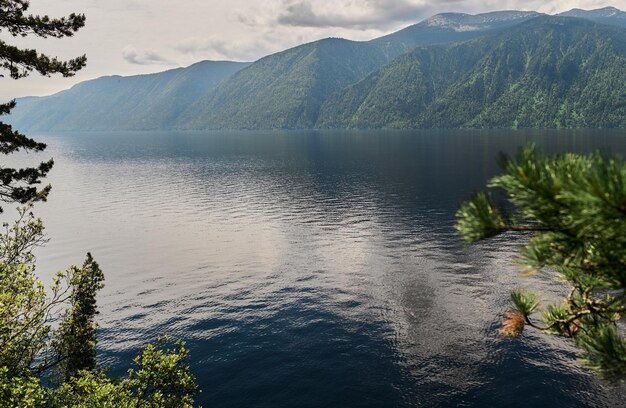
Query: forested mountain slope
[[547, 72], [287, 89], [283, 90], [141, 102]]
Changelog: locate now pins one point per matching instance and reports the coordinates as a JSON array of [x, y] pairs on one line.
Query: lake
[[311, 269]]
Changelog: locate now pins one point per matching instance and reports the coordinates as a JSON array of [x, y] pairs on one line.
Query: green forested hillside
[[548, 72], [141, 102], [287, 89], [284, 90]]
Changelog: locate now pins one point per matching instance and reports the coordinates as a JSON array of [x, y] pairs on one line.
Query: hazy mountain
[[547, 72], [506, 68], [606, 15], [283, 90], [146, 102]]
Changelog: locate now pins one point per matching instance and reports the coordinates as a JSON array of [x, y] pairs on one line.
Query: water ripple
[[310, 269]]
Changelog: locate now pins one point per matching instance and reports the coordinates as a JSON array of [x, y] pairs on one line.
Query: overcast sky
[[128, 37]]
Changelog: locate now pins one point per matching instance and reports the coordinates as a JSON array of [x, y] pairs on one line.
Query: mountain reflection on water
[[311, 268]]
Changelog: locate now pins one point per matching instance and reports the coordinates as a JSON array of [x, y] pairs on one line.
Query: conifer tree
[[76, 338], [574, 208], [30, 346], [31, 349], [21, 185]]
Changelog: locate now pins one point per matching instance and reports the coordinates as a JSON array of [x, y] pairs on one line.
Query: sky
[[127, 37]]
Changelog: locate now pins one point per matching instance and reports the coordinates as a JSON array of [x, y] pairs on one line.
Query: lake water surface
[[311, 269]]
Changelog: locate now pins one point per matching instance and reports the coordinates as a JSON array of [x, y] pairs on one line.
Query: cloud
[[256, 29], [384, 15], [148, 57], [242, 49], [357, 14]]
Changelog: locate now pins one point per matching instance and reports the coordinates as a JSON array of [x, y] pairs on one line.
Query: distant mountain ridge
[[606, 12], [139, 102], [470, 22], [410, 78], [606, 15]]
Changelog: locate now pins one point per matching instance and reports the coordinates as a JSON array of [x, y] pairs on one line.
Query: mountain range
[[499, 69]]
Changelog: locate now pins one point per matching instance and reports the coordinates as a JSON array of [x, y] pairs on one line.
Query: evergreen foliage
[[34, 354], [48, 337], [76, 337], [576, 208], [28, 344], [20, 185]]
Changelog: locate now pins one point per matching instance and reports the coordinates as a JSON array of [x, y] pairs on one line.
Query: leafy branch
[[575, 208]]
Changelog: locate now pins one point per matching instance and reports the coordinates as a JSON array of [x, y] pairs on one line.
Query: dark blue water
[[312, 269]]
